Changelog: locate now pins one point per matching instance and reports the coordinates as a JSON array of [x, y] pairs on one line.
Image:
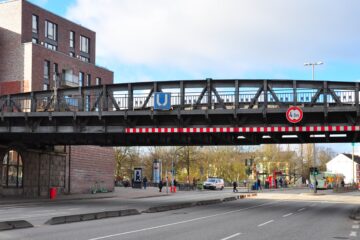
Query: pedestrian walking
[[235, 186], [145, 182], [276, 183], [244, 182], [259, 184], [161, 184]]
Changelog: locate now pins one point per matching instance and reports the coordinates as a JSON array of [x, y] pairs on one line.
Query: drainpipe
[[69, 176]]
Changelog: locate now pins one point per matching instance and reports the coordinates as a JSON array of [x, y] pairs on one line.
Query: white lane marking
[[260, 225], [181, 222], [353, 234], [289, 214], [232, 236], [355, 226], [313, 205], [356, 222], [301, 209]]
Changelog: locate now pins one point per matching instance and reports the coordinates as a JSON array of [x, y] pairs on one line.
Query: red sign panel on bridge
[[294, 114]]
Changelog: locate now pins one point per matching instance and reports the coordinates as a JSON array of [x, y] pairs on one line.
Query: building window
[[84, 59], [84, 44], [51, 30], [35, 24], [72, 54], [98, 81], [88, 80], [81, 79], [46, 84], [56, 73], [72, 39], [35, 40], [12, 170], [50, 46]]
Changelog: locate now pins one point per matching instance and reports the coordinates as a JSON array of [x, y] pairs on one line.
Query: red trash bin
[[52, 193]]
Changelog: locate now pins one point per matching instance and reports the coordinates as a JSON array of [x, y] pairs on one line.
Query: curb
[[91, 216], [355, 214], [168, 207], [5, 201], [165, 208], [10, 225], [208, 202]]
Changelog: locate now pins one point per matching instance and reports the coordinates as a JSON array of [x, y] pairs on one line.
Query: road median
[[355, 214], [10, 225], [91, 216]]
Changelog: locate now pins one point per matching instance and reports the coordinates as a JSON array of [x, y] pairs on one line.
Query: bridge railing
[[120, 98]]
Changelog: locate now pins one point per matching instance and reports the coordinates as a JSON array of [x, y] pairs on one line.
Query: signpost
[[137, 178], [162, 101], [294, 114]]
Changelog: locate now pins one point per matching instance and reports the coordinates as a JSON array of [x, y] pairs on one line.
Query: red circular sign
[[294, 114]]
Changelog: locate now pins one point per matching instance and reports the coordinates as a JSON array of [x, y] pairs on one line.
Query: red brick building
[[39, 49]]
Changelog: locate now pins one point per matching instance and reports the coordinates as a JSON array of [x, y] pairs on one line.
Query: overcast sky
[[142, 40]]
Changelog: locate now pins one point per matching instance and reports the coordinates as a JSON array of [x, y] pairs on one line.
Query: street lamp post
[[353, 162], [313, 64]]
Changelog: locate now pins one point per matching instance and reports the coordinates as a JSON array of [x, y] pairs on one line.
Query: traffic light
[[314, 171], [249, 161]]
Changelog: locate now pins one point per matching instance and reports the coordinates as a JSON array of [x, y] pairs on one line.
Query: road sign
[[162, 101], [294, 114]]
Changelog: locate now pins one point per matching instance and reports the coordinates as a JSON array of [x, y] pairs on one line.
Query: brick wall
[[42, 170], [91, 165], [11, 51], [11, 87]]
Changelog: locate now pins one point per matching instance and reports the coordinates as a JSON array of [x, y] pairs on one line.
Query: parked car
[[214, 183]]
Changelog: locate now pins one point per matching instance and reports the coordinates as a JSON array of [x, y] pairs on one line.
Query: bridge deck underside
[[198, 127]]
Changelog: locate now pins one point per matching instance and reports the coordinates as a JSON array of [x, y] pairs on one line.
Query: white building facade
[[343, 164]]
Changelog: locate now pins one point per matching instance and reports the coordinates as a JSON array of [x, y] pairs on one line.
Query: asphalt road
[[243, 219], [37, 213]]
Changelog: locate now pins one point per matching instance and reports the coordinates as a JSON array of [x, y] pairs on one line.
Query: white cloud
[[222, 35]]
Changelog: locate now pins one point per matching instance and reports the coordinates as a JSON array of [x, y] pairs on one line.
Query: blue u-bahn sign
[[162, 101]]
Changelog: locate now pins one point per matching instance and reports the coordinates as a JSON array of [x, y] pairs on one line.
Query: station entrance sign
[[294, 114]]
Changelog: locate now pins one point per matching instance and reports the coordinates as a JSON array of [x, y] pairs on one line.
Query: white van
[[214, 183]]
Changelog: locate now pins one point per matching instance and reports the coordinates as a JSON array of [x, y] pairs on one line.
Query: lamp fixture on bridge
[[289, 136], [241, 137], [338, 135], [317, 135]]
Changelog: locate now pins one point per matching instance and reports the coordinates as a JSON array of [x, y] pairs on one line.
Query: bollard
[[175, 188], [52, 193]]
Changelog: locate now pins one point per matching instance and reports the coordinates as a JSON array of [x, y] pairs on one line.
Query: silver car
[[214, 183]]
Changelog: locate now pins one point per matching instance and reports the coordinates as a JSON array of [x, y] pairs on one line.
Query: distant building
[[39, 49], [343, 164]]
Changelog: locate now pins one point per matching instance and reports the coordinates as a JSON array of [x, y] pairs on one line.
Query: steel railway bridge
[[203, 112]]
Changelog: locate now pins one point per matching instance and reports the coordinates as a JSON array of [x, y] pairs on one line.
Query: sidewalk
[[119, 193], [322, 195]]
